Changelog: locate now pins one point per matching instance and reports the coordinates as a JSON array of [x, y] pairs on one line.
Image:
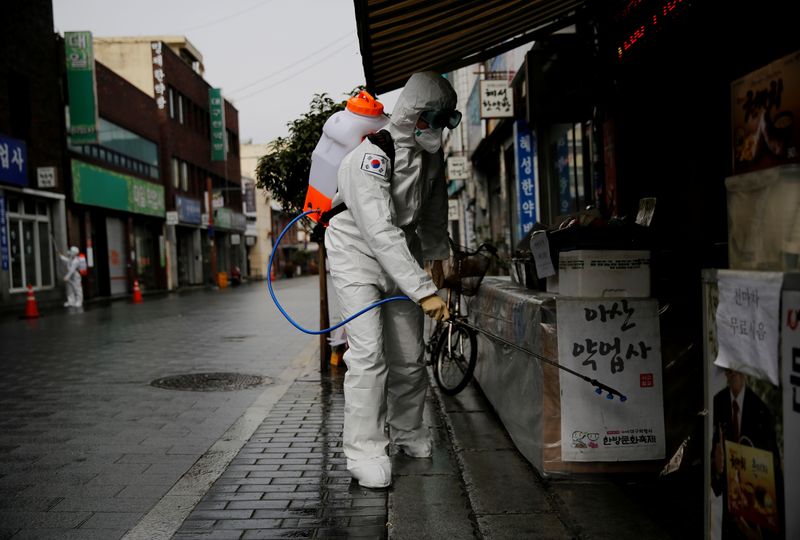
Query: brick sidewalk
[[290, 479]]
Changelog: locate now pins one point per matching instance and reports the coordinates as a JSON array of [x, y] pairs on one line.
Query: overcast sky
[[268, 56]]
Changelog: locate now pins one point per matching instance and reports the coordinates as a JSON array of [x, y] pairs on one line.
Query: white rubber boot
[[372, 473]]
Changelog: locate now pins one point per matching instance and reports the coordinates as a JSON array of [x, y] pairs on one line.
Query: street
[[88, 445]]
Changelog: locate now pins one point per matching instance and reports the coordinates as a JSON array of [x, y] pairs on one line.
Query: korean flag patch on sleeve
[[375, 164]]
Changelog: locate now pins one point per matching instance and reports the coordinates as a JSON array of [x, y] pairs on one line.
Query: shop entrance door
[[117, 258]]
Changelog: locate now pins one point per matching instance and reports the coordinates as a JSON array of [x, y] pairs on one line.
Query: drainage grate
[[211, 382]]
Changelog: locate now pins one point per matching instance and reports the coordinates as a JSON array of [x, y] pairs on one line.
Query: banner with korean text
[[82, 87], [525, 155], [217, 112], [616, 341]]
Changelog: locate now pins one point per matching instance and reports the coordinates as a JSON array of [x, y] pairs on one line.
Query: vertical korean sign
[[615, 341], [159, 76], [217, 108], [525, 155], [82, 87], [791, 408], [3, 234]]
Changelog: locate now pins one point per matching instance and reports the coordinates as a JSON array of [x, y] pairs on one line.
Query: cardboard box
[[596, 273]]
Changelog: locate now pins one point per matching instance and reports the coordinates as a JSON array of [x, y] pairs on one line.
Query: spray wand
[[599, 387]]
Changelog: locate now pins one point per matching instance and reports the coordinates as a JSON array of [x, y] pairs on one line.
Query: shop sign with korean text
[[189, 210], [217, 112], [497, 99], [457, 168], [747, 322], [766, 116], [3, 234], [617, 342], [13, 161], [791, 408], [525, 156], [82, 87], [97, 186], [453, 210], [159, 76], [46, 177], [249, 189]]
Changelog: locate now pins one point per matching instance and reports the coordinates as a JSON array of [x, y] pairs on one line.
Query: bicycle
[[452, 344]]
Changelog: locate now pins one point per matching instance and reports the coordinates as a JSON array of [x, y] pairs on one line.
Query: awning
[[399, 38]]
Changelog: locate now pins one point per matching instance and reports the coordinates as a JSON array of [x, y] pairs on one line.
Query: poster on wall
[[744, 436], [616, 341], [747, 322], [790, 382], [765, 116]]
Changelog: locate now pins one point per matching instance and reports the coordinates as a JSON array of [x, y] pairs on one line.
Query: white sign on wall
[[617, 342], [497, 99], [172, 217], [453, 210], [747, 322], [46, 177], [457, 168], [791, 409]]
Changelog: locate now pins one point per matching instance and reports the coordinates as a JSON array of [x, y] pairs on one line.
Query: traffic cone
[[137, 293], [31, 311]]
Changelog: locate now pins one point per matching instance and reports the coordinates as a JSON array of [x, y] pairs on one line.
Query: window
[[572, 167], [171, 99], [31, 260], [122, 148], [184, 176], [176, 178], [180, 108]]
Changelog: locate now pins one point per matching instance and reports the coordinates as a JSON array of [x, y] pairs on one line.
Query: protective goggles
[[442, 118]]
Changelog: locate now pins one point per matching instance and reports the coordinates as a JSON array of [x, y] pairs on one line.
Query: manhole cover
[[211, 382]]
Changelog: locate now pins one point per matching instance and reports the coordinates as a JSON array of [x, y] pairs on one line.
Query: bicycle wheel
[[454, 358]]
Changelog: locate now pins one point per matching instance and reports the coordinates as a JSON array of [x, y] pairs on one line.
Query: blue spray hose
[[283, 312], [599, 387]]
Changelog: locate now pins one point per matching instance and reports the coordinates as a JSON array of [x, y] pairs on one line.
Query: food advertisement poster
[[617, 342], [766, 116]]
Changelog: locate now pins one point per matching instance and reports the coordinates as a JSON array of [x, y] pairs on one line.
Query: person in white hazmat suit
[[394, 221], [73, 278]]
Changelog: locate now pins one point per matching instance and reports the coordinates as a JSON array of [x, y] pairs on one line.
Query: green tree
[[284, 170]]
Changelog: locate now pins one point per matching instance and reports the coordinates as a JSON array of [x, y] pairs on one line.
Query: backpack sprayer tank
[[342, 132]]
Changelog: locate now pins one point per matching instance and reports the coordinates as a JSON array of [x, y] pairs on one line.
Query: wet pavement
[[87, 445], [89, 449]]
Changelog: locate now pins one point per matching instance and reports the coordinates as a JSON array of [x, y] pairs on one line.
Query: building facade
[[198, 153], [32, 159]]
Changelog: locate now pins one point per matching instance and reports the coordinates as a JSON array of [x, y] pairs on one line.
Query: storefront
[[32, 231], [188, 241], [121, 224], [640, 116], [229, 234]]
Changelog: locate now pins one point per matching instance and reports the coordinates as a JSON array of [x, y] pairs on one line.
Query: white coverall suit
[[394, 221], [73, 278]]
